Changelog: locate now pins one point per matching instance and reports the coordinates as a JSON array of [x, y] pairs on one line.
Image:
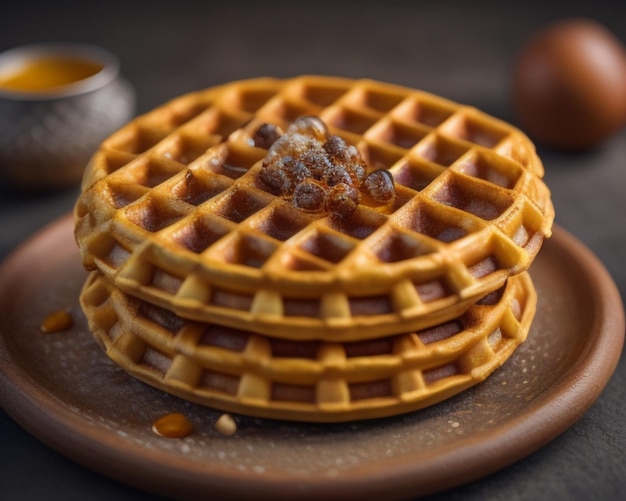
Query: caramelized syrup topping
[[320, 171]]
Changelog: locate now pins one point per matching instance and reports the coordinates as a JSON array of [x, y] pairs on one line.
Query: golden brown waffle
[[173, 211], [239, 371]]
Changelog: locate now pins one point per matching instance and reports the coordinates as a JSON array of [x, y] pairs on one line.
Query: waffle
[[172, 211], [249, 373]]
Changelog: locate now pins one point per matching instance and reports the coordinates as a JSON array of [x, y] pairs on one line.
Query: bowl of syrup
[[58, 102]]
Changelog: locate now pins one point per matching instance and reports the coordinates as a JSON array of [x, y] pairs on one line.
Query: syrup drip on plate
[[56, 322], [173, 425]]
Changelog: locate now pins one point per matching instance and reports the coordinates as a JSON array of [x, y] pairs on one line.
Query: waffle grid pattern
[[173, 211], [240, 371]]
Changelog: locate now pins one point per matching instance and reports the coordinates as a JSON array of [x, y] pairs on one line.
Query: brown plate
[[62, 389]]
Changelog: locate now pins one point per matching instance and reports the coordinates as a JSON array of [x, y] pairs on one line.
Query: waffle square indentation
[[321, 95], [200, 233], [440, 150], [195, 189], [429, 113], [479, 199], [400, 134], [475, 131], [154, 214], [349, 120], [252, 97], [498, 172], [375, 98], [328, 246], [398, 246], [245, 250], [282, 222]]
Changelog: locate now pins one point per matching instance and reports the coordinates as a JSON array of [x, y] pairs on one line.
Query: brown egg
[[569, 85]]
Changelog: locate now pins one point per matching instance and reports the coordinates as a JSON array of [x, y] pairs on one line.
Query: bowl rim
[[16, 56]]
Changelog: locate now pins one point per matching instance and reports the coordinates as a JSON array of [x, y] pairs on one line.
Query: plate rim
[[569, 397]]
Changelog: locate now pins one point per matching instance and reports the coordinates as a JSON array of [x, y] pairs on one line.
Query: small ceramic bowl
[[48, 133]]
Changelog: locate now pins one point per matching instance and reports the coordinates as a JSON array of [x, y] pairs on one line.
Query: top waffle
[[173, 210]]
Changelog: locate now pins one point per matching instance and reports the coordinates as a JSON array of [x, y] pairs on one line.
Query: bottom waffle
[[319, 381]]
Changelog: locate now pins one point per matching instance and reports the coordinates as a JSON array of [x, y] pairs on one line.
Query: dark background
[[461, 50]]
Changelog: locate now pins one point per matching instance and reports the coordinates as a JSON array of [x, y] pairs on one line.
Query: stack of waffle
[[213, 285]]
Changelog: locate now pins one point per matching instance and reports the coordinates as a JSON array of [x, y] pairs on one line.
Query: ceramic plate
[[62, 389]]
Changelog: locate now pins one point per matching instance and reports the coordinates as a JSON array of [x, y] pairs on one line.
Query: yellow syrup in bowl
[[46, 73]]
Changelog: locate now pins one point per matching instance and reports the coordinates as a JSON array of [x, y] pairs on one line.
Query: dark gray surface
[[450, 48]]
